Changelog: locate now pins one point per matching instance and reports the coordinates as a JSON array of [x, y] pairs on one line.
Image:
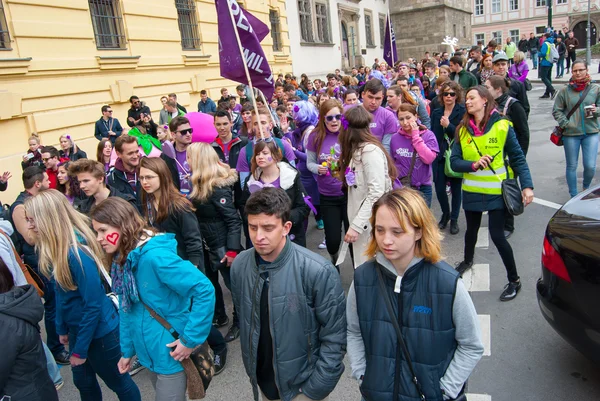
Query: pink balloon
[[203, 126]]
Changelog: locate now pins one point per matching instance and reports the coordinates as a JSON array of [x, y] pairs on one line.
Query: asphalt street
[[525, 359]]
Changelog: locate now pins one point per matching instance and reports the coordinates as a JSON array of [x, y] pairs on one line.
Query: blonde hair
[[206, 168], [60, 229], [518, 56], [410, 208]]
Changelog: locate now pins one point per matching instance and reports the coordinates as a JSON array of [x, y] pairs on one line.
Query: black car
[[569, 290]]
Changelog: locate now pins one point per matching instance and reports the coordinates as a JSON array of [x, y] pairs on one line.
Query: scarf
[[124, 285], [296, 136], [580, 84], [485, 74], [475, 128]]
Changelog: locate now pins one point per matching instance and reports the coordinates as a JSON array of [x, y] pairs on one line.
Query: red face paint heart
[[113, 238]]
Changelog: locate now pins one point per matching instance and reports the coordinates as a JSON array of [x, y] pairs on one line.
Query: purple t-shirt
[[237, 108], [384, 122], [226, 150], [275, 184], [242, 162], [184, 171], [401, 149], [328, 185]]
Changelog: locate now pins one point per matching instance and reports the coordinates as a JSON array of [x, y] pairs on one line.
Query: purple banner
[[390, 54], [251, 31]]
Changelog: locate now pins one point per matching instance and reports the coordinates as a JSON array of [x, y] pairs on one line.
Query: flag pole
[[239, 42], [391, 41]]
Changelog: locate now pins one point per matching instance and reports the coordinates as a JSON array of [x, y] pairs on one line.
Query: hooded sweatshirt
[[402, 147], [7, 254]]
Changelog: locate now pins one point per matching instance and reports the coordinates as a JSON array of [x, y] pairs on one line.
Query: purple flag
[[251, 31], [390, 54]]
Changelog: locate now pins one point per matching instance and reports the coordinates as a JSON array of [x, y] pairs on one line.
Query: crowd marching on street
[[127, 247]]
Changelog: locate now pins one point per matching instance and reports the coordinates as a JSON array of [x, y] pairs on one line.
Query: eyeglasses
[[337, 117], [451, 94], [186, 131], [45, 159], [143, 178], [109, 111]]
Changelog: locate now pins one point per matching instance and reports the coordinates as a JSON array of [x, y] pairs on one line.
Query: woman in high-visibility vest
[[484, 140]]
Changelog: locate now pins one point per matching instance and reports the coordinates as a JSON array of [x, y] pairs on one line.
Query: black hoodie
[[23, 372]]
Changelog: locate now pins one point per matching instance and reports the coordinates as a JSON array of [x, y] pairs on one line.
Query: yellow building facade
[[62, 60]]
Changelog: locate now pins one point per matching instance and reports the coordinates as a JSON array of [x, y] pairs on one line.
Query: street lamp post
[[588, 47], [550, 13]]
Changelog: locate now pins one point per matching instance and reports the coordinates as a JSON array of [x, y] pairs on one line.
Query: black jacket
[[533, 44], [442, 133], [561, 48], [135, 114], [85, 205], [23, 372], [187, 234], [220, 223], [517, 90], [289, 179], [73, 156], [523, 45], [516, 114], [235, 146]]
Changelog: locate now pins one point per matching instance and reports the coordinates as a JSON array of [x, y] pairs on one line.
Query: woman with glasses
[[581, 129], [444, 121], [483, 141], [68, 149], [367, 171], [268, 170], [323, 154], [86, 319]]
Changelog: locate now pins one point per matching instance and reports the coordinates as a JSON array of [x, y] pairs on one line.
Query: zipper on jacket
[[252, 319], [309, 349], [273, 341]]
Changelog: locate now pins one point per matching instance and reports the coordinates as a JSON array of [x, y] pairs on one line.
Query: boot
[[334, 259], [444, 221]]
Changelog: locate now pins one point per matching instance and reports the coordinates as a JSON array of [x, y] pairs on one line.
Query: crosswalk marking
[[486, 334], [479, 397], [477, 278], [549, 204], [483, 239]]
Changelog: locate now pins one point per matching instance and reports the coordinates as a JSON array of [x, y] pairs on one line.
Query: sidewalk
[[533, 74]]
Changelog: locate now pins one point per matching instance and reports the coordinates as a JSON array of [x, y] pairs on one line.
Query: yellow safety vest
[[485, 181]]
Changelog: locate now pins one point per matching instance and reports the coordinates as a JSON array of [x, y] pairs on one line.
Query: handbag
[[406, 181], [511, 193], [556, 137], [199, 367], [528, 86], [30, 275], [447, 165], [388, 304]]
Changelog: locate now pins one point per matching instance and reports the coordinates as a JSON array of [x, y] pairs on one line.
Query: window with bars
[[188, 24], [306, 32], [108, 24], [541, 3], [322, 23], [496, 6], [275, 30], [478, 7], [4, 34], [369, 29], [513, 5], [382, 30]]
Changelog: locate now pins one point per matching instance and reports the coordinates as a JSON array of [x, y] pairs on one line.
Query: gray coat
[[307, 318]]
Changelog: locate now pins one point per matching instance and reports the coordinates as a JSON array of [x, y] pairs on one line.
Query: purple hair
[[305, 113]]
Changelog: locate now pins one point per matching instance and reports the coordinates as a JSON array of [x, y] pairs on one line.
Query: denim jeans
[[103, 356], [53, 369], [546, 76], [427, 193], [440, 179], [533, 55], [560, 66], [589, 150]]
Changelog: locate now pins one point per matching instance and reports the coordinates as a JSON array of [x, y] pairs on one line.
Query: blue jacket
[[301, 94], [207, 107], [543, 51], [178, 292], [101, 129], [85, 312], [423, 309], [477, 202]]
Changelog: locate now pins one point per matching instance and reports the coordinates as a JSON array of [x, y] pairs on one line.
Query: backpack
[[250, 150], [552, 54], [507, 105]]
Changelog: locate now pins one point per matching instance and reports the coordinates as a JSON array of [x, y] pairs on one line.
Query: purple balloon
[[203, 126]]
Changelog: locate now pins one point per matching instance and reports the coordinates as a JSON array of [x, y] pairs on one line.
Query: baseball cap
[[499, 57]]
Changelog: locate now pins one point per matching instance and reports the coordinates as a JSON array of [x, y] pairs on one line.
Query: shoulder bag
[[30, 275], [556, 137], [199, 367], [401, 342], [447, 165], [406, 181]]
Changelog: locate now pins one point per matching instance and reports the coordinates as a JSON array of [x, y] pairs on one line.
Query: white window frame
[[497, 6], [482, 35], [497, 38], [541, 3], [324, 33], [515, 38], [479, 8], [558, 2], [369, 32], [513, 5]]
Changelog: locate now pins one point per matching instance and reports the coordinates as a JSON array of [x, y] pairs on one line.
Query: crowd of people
[[141, 234]]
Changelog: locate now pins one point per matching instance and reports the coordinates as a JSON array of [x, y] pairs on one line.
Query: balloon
[[203, 126]]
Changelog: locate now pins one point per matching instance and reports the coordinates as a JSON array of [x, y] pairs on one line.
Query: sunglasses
[[337, 117], [451, 94], [186, 131], [260, 139]]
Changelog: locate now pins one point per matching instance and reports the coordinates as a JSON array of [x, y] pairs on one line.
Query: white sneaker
[[323, 245]]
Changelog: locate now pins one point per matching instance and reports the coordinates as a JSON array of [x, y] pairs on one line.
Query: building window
[[561, 1], [275, 30], [369, 29], [454, 31], [4, 34], [514, 35], [108, 24], [381, 30], [306, 31], [478, 7], [464, 31], [513, 5], [188, 24], [497, 36], [322, 23], [540, 30], [496, 6], [541, 3], [480, 38]]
